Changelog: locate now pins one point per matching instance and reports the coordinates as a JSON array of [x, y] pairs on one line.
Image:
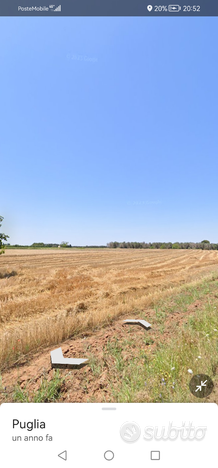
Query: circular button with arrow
[[201, 385]]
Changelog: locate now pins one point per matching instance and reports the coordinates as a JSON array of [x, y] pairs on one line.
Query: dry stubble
[[57, 294]]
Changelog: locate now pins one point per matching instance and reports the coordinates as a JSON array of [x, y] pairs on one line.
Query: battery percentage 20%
[[160, 8]]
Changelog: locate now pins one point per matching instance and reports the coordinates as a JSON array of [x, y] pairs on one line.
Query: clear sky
[[109, 129]]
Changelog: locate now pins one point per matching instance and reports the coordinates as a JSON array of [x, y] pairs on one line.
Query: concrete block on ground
[[58, 361], [142, 323]]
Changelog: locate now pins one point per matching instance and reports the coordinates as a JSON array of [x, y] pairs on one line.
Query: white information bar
[[99, 435]]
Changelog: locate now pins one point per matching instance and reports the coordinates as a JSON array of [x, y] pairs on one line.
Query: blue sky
[[109, 129]]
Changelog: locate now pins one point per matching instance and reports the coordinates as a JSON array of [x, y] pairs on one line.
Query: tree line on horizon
[[42, 245], [204, 245]]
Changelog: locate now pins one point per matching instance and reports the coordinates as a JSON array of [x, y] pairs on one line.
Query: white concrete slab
[[142, 323], [59, 361]]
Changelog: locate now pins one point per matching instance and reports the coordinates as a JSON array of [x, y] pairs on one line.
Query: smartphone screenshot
[[108, 234]]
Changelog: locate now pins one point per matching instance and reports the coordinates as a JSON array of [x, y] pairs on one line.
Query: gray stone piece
[[142, 323], [58, 361]]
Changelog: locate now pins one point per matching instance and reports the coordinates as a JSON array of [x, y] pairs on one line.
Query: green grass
[[95, 365], [195, 348], [49, 391], [163, 375]]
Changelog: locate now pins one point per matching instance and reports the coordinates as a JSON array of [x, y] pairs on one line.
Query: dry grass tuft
[[7, 274]]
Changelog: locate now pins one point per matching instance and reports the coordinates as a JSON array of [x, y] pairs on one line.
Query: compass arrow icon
[[203, 384]]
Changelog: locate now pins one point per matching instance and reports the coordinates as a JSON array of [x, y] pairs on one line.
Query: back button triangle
[[63, 455]]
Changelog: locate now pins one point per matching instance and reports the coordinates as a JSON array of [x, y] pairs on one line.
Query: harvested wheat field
[[53, 295], [78, 299], [52, 298]]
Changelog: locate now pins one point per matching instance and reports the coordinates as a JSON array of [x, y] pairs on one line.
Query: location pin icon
[[149, 7]]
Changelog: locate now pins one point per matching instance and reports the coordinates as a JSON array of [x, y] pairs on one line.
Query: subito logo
[[130, 432]]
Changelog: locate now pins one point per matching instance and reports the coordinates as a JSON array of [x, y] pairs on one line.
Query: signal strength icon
[[58, 8]]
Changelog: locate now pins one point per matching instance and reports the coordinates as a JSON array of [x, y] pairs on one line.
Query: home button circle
[[109, 455]]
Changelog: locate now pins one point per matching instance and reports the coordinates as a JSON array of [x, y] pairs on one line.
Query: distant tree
[[2, 237], [123, 245], [65, 244], [206, 246], [205, 242], [192, 245], [115, 244], [176, 245], [185, 245]]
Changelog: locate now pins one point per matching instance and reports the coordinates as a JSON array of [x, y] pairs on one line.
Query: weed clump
[[6, 274]]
